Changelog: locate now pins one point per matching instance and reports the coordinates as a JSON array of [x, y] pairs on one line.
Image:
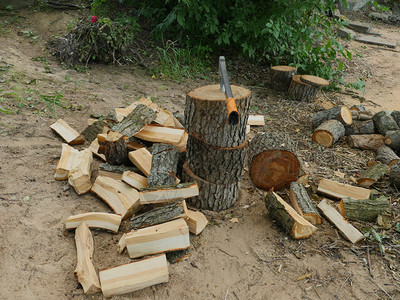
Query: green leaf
[[397, 227]]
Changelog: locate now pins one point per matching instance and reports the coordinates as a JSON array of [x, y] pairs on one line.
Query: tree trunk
[[163, 165], [384, 122], [219, 165], [386, 155], [360, 127], [366, 141], [115, 149], [281, 76], [363, 210], [340, 113], [372, 174], [328, 133], [206, 116], [392, 139], [302, 203], [301, 91], [272, 161]]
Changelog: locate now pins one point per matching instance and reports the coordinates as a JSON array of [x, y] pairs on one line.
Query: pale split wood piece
[[256, 120], [70, 135], [134, 276], [99, 220], [166, 194], [134, 179], [303, 204], [81, 171], [349, 231], [161, 134], [68, 156], [339, 190], [122, 198], [141, 158], [121, 244], [94, 147], [84, 271], [169, 236], [196, 221]]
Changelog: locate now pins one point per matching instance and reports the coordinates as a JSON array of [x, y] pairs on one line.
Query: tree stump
[[384, 122], [314, 80], [386, 155], [206, 116], [392, 139], [115, 149], [328, 133], [301, 91], [272, 161], [281, 76], [360, 127], [340, 113], [220, 165]]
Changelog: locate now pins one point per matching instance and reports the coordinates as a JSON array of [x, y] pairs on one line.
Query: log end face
[[346, 115], [313, 219], [323, 138], [302, 231]]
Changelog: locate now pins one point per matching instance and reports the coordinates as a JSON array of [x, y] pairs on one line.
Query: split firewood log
[[386, 155], [176, 256], [80, 173], [384, 122], [372, 174], [196, 221], [340, 190], [340, 113], [363, 210], [392, 139], [301, 91], [272, 160], [281, 76], [287, 217], [168, 193], [115, 151], [95, 148], [163, 165], [99, 220], [162, 134], [70, 135], [328, 133], [366, 141], [134, 179], [91, 132], [303, 204], [68, 156], [360, 127], [141, 158]]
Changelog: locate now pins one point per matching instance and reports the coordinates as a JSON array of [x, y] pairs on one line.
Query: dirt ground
[[251, 259]]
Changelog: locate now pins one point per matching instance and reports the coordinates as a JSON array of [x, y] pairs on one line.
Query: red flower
[[93, 19]]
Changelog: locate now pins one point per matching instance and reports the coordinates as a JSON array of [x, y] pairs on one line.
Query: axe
[[233, 115]]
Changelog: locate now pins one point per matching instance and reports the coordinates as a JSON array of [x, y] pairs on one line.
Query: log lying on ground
[[360, 127], [396, 116], [68, 156], [340, 190], [99, 220], [272, 160], [134, 179], [281, 76], [80, 173], [394, 175], [84, 271], [169, 236], [177, 256], [349, 231], [256, 120], [91, 132], [302, 203], [115, 149], [196, 221], [363, 210], [94, 147], [70, 135], [358, 115], [340, 113], [366, 141], [161, 134], [163, 165], [302, 91], [328, 133], [134, 276], [372, 174], [166, 194], [386, 155], [287, 217], [170, 211], [392, 139], [122, 198], [141, 158], [384, 122]]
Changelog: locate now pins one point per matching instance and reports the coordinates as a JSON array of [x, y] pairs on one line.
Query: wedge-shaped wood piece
[[100, 220], [196, 221], [134, 276], [68, 155], [94, 147], [174, 210], [170, 236], [287, 217], [372, 174], [122, 198], [70, 135], [121, 244], [84, 271], [134, 179], [340, 190], [166, 194], [161, 134], [349, 231], [302, 203], [141, 158], [256, 120], [81, 171]]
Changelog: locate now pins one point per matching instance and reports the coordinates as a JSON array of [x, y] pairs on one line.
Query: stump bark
[[384, 122], [392, 139], [115, 149], [206, 116], [301, 91], [163, 165], [340, 113], [328, 133], [272, 161], [281, 76], [386, 155]]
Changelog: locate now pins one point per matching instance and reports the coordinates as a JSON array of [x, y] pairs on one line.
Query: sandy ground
[[251, 259]]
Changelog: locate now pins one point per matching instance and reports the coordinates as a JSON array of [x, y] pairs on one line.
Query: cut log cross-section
[[70, 135], [81, 171], [272, 161], [302, 203], [339, 190], [366, 141], [340, 113], [301, 91], [166, 194], [287, 217], [84, 271], [386, 155], [384, 122], [68, 156], [105, 221], [314, 80], [328, 133], [115, 150], [372, 174], [363, 210], [163, 165], [281, 76]]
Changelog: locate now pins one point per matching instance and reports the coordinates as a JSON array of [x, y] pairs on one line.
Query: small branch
[[344, 282]]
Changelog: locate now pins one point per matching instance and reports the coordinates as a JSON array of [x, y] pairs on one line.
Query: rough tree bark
[[281, 76], [163, 165], [384, 122], [340, 113], [301, 91]]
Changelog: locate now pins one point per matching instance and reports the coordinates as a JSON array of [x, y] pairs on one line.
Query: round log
[[392, 139], [211, 196], [386, 155], [216, 164], [301, 91], [363, 210], [396, 116], [272, 161], [314, 80], [328, 133], [384, 122], [366, 141], [303, 204], [340, 113], [360, 127], [115, 149], [206, 116], [281, 76]]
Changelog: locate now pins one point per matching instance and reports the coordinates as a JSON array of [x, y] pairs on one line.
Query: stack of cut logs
[[299, 87]]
